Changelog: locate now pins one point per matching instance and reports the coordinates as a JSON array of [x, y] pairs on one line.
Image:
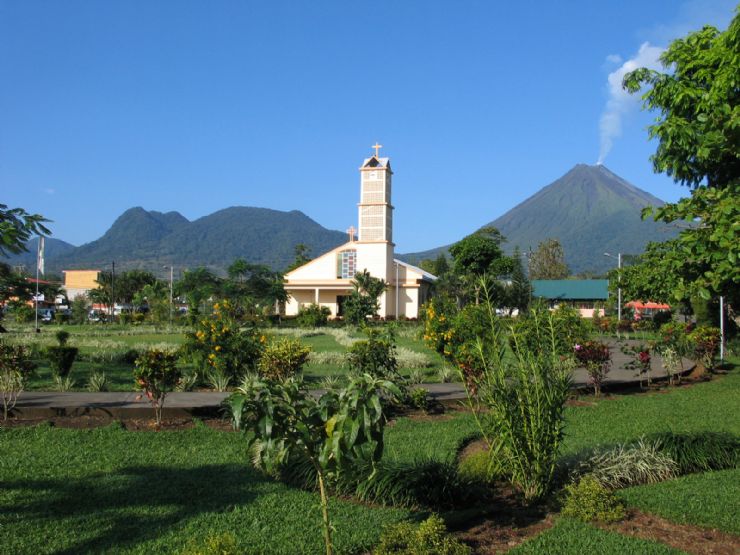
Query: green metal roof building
[[571, 289], [582, 294]]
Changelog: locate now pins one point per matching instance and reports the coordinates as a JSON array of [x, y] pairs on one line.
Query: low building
[[79, 282], [326, 280], [581, 294]]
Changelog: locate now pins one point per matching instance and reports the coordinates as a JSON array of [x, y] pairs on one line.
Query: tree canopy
[[548, 261], [698, 132]]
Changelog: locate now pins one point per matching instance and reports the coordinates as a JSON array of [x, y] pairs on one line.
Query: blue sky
[[197, 106]]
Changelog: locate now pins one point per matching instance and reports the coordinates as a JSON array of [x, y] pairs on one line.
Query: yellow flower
[[217, 348], [262, 339], [211, 356]]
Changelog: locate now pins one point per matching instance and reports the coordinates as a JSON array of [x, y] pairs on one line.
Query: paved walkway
[[41, 404]]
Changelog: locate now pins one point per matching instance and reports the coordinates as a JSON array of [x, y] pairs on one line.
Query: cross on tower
[[377, 147], [351, 233]]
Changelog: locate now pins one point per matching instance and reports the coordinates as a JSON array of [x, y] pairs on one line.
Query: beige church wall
[[322, 268], [373, 257], [297, 299]]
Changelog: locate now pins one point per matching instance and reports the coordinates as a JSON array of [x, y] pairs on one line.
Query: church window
[[346, 264]]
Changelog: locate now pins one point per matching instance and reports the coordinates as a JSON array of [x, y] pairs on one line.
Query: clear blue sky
[[197, 106]]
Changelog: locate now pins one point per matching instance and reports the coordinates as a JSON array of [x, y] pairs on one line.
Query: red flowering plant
[[641, 360], [596, 358]]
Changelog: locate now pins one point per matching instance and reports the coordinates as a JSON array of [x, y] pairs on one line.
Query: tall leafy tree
[[518, 292], [698, 132], [302, 256], [478, 255], [548, 261]]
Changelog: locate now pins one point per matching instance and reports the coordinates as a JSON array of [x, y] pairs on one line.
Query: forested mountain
[[148, 240], [590, 210]]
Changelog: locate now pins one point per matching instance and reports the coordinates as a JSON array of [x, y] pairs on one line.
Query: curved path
[[42, 404]]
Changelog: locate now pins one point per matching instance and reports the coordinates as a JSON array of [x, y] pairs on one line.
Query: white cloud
[[620, 102], [614, 59], [49, 190]]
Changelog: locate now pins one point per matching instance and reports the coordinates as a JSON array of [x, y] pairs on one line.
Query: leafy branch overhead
[[16, 227], [698, 132]]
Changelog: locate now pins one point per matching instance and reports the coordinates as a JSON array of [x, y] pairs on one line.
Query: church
[[326, 280]]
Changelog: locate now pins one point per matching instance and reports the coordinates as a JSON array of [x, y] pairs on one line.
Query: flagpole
[[36, 298]]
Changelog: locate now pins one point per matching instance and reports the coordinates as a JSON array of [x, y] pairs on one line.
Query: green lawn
[[571, 537], [68, 491], [710, 499]]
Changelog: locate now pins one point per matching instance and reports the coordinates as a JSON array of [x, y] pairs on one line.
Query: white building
[[326, 280]]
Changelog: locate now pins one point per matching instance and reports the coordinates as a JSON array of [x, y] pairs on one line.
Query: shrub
[[313, 316], [156, 373], [419, 398], [61, 360], [628, 465], [218, 342], [596, 358], [480, 467], [705, 342], [62, 337], [428, 538], [282, 359], [15, 369], [550, 333], [446, 374], [217, 379], [520, 407], [699, 451], [376, 355], [589, 500], [217, 544]]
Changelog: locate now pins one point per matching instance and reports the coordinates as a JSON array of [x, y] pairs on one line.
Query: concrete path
[[42, 404]]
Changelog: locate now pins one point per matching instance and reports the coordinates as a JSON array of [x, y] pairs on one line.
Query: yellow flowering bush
[[219, 343]]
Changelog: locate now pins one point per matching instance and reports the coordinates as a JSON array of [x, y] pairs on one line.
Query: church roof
[[426, 275], [374, 162]]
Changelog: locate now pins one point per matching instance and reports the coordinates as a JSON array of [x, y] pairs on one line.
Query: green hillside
[[149, 240], [590, 210]]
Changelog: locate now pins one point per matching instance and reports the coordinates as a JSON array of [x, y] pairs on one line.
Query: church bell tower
[[375, 209]]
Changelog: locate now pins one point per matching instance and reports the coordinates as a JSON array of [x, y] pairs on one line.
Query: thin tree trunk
[[325, 514]]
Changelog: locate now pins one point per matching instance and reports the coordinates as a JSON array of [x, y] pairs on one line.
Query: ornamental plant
[[641, 360], [704, 341], [519, 406], [338, 434], [219, 343], [156, 373], [595, 357], [283, 359], [550, 332], [61, 358], [15, 369]]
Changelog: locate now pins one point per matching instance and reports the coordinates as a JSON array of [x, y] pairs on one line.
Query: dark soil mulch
[[130, 424], [685, 537]]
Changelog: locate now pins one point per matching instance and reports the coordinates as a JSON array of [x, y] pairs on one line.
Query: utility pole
[[619, 282], [112, 292], [172, 271]]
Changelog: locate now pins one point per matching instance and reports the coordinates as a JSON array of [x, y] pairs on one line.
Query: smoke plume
[[620, 102]]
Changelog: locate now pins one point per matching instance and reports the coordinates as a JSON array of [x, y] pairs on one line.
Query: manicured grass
[[151, 492], [571, 537], [707, 406], [708, 499]]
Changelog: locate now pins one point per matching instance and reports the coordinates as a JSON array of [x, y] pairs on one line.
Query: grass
[[570, 537], [98, 342], [152, 492], [708, 499]]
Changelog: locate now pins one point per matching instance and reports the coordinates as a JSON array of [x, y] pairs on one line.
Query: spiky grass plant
[[446, 374], [97, 382], [218, 380], [699, 452], [628, 464], [417, 376], [519, 404]]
